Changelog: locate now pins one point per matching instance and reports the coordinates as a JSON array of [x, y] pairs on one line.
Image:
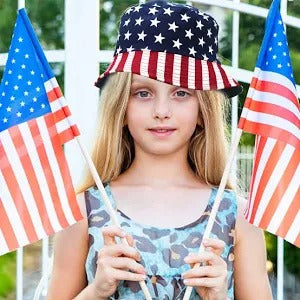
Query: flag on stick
[[271, 111], [37, 197]]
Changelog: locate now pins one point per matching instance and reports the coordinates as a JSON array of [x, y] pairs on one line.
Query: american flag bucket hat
[[173, 43]]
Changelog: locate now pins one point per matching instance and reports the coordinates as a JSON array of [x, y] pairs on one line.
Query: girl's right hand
[[115, 261]]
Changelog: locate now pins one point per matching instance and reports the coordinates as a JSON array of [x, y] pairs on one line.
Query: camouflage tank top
[[162, 250]]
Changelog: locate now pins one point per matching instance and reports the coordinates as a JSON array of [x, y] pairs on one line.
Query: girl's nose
[[161, 107]]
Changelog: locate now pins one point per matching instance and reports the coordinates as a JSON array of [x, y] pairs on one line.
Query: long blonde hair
[[113, 150]]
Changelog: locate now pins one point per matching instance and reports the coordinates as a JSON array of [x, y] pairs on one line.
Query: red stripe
[[198, 75], [212, 76], [38, 139], [279, 191], [7, 229], [15, 190], [32, 179], [169, 68], [110, 66], [184, 70], [54, 94], [64, 171], [122, 62], [270, 131], [67, 134], [136, 62], [297, 241], [224, 76], [275, 88], [272, 109], [60, 115], [152, 67]]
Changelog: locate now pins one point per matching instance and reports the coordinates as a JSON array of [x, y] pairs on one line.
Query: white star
[[139, 21], [119, 50], [25, 93], [210, 50], [270, 49], [128, 11], [288, 64], [205, 57], [177, 44], [127, 35], [34, 99], [6, 83], [275, 34], [16, 87], [126, 22], [284, 53], [189, 33], [3, 94], [199, 25], [145, 49], [215, 24], [8, 109], [159, 38], [152, 10], [12, 98], [192, 51], [156, 5], [216, 41], [209, 32], [267, 62], [154, 22], [279, 66], [43, 105], [9, 72], [185, 17], [31, 109], [168, 11], [37, 89], [172, 26], [26, 55], [22, 103], [280, 22], [205, 17], [274, 56], [20, 77], [130, 49], [142, 35], [17, 50], [279, 44], [32, 72], [23, 66], [137, 8], [29, 82], [20, 40], [13, 61], [4, 120], [19, 114], [201, 42]]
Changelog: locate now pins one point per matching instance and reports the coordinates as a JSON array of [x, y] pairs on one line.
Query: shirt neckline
[[144, 225]]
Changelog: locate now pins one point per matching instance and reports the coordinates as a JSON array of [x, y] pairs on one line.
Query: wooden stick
[[217, 201], [111, 211]]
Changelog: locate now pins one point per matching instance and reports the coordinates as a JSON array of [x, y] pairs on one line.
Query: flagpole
[[21, 4], [217, 201], [280, 268], [104, 196]]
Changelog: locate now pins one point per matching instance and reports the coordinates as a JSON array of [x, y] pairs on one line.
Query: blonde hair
[[113, 150]]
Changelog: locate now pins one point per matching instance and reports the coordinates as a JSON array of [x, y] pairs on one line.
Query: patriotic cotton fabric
[[37, 197], [272, 112], [173, 43]]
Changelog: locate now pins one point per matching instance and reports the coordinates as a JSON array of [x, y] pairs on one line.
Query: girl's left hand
[[209, 280]]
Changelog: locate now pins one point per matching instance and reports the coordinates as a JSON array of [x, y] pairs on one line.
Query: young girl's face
[[161, 117]]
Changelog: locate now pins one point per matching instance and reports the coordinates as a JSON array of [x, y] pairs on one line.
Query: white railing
[[79, 88]]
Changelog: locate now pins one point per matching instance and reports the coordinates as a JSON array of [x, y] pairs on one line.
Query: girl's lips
[[162, 132]]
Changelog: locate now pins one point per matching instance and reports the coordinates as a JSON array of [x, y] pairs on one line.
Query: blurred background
[[48, 19]]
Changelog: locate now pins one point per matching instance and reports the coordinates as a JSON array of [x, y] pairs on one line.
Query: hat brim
[[175, 69]]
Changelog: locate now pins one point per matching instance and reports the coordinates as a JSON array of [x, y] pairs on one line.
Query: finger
[[203, 282], [215, 245], [206, 257], [205, 271], [119, 250], [126, 263], [125, 275], [129, 239], [110, 232]]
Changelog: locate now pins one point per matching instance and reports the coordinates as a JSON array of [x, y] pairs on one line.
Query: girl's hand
[[114, 262], [209, 280]]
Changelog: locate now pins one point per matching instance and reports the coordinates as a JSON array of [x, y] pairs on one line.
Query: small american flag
[[37, 197], [272, 112]]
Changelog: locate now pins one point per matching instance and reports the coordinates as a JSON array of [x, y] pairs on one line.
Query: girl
[[160, 151]]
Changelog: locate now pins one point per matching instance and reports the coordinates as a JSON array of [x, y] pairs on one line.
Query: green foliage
[[7, 273]]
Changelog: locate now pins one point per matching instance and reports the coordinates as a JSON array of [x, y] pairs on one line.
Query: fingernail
[[123, 234], [183, 274], [144, 277], [185, 281], [205, 241]]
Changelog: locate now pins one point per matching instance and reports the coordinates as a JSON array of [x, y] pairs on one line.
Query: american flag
[[37, 197], [271, 111]]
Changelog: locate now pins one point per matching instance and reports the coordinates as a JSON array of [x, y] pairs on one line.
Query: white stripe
[[275, 99], [220, 82], [55, 170], [161, 61], [119, 57], [64, 124], [273, 181], [275, 78], [205, 75], [51, 84], [294, 230], [191, 73], [57, 104], [3, 246], [176, 70], [128, 63], [22, 181], [41, 179], [260, 168], [145, 63], [271, 120], [285, 202], [12, 212]]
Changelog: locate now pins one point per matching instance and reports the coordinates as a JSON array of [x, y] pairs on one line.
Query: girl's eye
[[181, 93], [143, 94]]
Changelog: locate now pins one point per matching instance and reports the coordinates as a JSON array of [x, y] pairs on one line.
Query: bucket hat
[[173, 43]]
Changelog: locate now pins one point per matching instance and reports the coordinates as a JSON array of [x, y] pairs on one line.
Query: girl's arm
[[68, 276], [250, 273]]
